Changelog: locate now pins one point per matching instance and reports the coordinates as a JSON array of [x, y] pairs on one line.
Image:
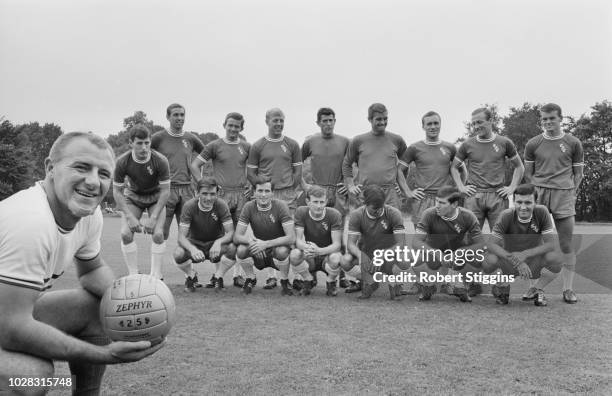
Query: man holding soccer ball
[[44, 229]]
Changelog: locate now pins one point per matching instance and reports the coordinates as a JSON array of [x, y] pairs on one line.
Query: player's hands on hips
[[215, 250], [257, 246], [134, 224], [197, 255], [124, 351], [467, 190], [418, 194], [149, 225], [247, 192], [342, 190], [505, 192]]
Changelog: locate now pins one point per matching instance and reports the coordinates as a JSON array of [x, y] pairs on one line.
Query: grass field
[[226, 343]]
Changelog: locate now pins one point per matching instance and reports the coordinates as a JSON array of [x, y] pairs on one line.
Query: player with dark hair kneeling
[[441, 233], [373, 226], [318, 241], [205, 232], [522, 243], [273, 235]]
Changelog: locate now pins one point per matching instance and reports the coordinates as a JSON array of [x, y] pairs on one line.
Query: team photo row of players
[[156, 176]]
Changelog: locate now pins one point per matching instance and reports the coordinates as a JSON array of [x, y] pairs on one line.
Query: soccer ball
[[137, 308]]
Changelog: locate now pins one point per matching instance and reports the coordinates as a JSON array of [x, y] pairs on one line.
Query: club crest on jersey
[[285, 149], [563, 148], [457, 228], [214, 216], [149, 169], [384, 224], [444, 151], [324, 225], [272, 218], [496, 148], [185, 143], [241, 150], [534, 227]]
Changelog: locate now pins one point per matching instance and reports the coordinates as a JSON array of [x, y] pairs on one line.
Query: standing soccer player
[[46, 228], [554, 163], [146, 175], [447, 226], [484, 157], [522, 243], [327, 150], [179, 147], [376, 154], [228, 156], [373, 226], [278, 157], [318, 241], [205, 233], [273, 235], [433, 159]]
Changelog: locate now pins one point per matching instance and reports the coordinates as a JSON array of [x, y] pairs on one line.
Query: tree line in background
[[23, 149]]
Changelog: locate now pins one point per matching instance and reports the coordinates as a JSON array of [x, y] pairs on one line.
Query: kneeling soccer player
[[44, 229], [442, 231], [522, 243], [273, 235], [318, 241], [373, 226], [205, 232], [148, 187]]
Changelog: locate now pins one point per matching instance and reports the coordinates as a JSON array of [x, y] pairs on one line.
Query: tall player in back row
[[142, 182], [276, 156], [179, 147], [376, 154], [554, 163], [228, 156], [484, 157]]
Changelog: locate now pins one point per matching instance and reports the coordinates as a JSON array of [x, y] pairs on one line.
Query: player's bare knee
[[31, 366], [334, 260], [296, 257], [180, 255], [433, 265], [490, 263], [230, 253], [281, 252], [158, 237], [242, 251], [127, 236], [554, 262], [347, 262]]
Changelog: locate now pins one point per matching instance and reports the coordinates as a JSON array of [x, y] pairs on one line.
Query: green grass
[[263, 343]]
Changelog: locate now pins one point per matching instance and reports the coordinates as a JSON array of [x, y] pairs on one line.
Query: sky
[[86, 65]]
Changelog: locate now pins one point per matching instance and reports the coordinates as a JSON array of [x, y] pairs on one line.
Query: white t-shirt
[[34, 250]]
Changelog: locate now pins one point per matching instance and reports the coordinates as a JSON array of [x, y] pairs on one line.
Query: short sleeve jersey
[[205, 225], [318, 231], [266, 224], [554, 160], [376, 156], [327, 155], [519, 235], [276, 158], [375, 233], [142, 177], [485, 160], [34, 250], [448, 233], [229, 161], [433, 162], [179, 150]]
